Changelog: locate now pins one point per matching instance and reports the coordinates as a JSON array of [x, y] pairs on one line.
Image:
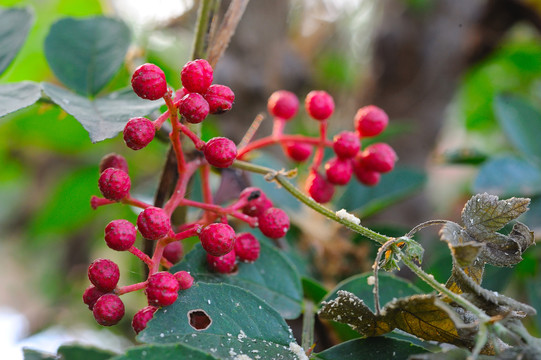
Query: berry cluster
[[191, 104]]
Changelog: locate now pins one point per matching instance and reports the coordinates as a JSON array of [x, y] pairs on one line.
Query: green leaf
[[17, 96], [313, 290], [240, 323], [31, 354], [521, 122], [105, 117], [508, 176], [164, 352], [370, 348], [81, 352], [393, 187], [272, 277], [86, 53], [14, 26]]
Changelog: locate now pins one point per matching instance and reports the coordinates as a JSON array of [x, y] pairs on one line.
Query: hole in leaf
[[199, 319]]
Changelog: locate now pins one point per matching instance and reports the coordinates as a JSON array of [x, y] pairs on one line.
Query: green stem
[[206, 8], [308, 325]]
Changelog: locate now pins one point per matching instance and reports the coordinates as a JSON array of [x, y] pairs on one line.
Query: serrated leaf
[[14, 26], [105, 117], [17, 96], [272, 277], [165, 352], [86, 53], [82, 352], [371, 348]]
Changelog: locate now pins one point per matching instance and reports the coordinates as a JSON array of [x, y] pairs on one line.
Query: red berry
[[217, 239], [298, 151], [338, 171], [196, 75], [257, 201], [148, 82], [220, 98], [346, 144], [319, 105], [162, 289], [104, 274], [194, 108], [274, 223], [108, 310], [220, 152], [180, 93], [173, 252], [185, 280], [370, 121], [224, 264], [114, 184], [91, 295], [378, 157], [283, 104], [113, 161], [366, 177], [142, 317], [318, 188], [247, 247], [138, 133], [153, 223], [120, 235]]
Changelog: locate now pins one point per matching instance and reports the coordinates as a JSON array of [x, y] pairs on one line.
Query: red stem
[[161, 119], [199, 144], [318, 158], [166, 263], [278, 127], [193, 231], [157, 256], [220, 211], [174, 135], [141, 255], [270, 140], [130, 288], [96, 202], [134, 202], [182, 184]]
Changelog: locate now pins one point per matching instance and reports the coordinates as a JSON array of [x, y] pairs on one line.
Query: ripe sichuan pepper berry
[[196, 76], [173, 252], [319, 105], [153, 223], [138, 133], [108, 310], [370, 121], [338, 171], [256, 201], [283, 104], [104, 274], [222, 264], [298, 151], [91, 295], [148, 82], [114, 184], [220, 98], [113, 161], [247, 247], [346, 144], [194, 108], [318, 188], [366, 177], [120, 235], [220, 152], [142, 317], [185, 280], [217, 239], [378, 157], [274, 223], [162, 289]]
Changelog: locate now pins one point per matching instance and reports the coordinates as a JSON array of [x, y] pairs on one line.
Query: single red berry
[[318, 188], [217, 239], [220, 98], [370, 121], [220, 152], [162, 289], [185, 280], [180, 93], [247, 247], [148, 82], [153, 223], [108, 310], [120, 235], [142, 317], [274, 223], [194, 108], [319, 105], [114, 184], [196, 75], [346, 144], [338, 171], [378, 157], [173, 252], [257, 201], [224, 264], [283, 104], [104, 274], [91, 295], [113, 161], [298, 151], [366, 177], [138, 133]]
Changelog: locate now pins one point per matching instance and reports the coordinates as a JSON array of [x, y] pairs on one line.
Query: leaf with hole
[[14, 26]]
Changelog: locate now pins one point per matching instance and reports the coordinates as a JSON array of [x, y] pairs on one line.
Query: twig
[[375, 290]]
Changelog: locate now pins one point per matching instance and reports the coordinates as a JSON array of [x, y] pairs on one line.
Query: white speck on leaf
[[344, 215]]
